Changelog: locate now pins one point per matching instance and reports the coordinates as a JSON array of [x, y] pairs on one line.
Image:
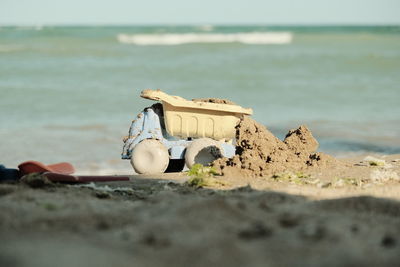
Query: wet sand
[[160, 221]]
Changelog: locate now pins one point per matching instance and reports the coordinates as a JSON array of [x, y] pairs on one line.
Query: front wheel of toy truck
[[149, 157], [203, 151]]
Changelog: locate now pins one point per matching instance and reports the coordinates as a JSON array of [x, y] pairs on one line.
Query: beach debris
[[36, 180], [104, 188], [383, 175], [295, 178], [324, 184], [346, 181], [102, 195], [372, 161], [198, 170]]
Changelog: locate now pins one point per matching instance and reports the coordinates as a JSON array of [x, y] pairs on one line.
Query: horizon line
[[200, 24]]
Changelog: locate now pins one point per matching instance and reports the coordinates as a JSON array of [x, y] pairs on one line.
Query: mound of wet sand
[[260, 153]]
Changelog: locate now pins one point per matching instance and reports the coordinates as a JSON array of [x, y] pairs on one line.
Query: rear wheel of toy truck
[[150, 156], [203, 151]]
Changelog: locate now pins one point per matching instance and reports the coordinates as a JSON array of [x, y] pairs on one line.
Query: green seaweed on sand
[[375, 162], [346, 181], [199, 170], [201, 176], [299, 178]]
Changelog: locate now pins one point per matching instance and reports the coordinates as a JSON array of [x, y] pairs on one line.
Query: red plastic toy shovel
[[61, 172], [36, 166]]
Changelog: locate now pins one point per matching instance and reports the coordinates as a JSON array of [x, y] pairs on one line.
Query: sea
[[69, 93]]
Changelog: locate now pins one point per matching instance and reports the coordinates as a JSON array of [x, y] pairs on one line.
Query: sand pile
[[260, 153]]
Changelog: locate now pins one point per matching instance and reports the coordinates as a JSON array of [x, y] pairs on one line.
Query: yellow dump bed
[[185, 118]]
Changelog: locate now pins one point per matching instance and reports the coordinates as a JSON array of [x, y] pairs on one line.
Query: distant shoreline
[[270, 26]]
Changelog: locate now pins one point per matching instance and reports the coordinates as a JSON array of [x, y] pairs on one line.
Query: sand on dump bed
[[214, 100]]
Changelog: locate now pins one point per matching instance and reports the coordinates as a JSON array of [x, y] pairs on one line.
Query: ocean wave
[[206, 28], [188, 38], [9, 48], [28, 27]]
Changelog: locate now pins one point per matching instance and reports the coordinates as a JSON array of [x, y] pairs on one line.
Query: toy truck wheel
[[203, 151], [150, 156]]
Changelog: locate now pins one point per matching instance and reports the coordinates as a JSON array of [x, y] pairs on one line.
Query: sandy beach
[[313, 173], [160, 220]]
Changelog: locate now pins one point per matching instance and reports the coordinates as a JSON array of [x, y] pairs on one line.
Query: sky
[[55, 12]]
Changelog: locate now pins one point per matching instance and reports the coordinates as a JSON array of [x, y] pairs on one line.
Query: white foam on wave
[[188, 38], [206, 28], [29, 27]]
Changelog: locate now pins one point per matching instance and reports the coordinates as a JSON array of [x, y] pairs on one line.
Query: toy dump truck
[[176, 131]]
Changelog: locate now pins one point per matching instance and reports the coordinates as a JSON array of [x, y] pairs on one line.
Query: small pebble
[[324, 185]]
